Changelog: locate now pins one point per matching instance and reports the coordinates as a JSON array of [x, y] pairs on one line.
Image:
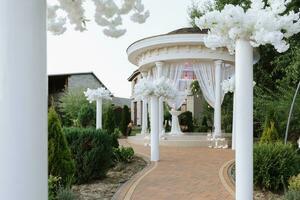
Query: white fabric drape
[[205, 73], [174, 73]]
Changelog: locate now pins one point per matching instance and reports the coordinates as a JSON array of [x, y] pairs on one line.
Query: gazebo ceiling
[[178, 45]]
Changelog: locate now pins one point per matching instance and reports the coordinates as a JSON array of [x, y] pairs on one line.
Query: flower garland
[[261, 24], [108, 14], [161, 87], [96, 94]]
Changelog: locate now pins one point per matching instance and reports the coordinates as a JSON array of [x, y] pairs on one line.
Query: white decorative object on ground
[[108, 14], [175, 129], [98, 95], [240, 30]]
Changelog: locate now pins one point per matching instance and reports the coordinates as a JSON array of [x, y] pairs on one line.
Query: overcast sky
[[106, 57]]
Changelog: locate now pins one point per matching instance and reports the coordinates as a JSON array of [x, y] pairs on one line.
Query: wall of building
[[83, 81]]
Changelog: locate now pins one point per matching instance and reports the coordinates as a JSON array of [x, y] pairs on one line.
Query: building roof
[[80, 73], [133, 75]]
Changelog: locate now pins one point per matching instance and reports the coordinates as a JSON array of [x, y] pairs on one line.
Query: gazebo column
[[145, 110], [23, 100], [217, 107], [159, 66], [154, 129], [233, 137], [244, 120], [99, 114]]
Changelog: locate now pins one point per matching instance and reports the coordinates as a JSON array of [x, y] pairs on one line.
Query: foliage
[[274, 164], [123, 154], [292, 195], [125, 119], [70, 104], [270, 133], [118, 116], [294, 183], [86, 116], [109, 119], [115, 136], [92, 152], [53, 186], [66, 194], [60, 161], [167, 117], [186, 119]]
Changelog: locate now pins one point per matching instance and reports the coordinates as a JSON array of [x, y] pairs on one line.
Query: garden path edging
[[127, 189], [225, 179]]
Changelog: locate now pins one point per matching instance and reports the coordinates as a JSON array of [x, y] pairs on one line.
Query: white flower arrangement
[[108, 14], [228, 85], [96, 94], [161, 87], [261, 24]]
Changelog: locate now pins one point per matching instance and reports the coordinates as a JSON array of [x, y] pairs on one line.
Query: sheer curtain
[[174, 73], [205, 73]]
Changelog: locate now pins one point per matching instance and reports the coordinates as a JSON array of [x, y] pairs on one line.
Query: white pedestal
[[175, 129], [154, 129], [244, 120], [99, 114], [23, 100]]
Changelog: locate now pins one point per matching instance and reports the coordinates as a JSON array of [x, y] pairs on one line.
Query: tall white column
[[244, 120], [217, 108], [233, 142], [159, 66], [23, 100], [154, 129], [145, 117], [99, 114]]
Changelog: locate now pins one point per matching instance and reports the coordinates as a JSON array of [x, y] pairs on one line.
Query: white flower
[[161, 88], [108, 14], [228, 85], [96, 94], [261, 24]]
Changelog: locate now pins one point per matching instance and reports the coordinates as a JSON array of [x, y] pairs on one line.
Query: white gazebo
[[167, 55]]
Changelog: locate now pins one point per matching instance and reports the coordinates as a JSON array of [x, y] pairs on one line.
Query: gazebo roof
[[181, 44]]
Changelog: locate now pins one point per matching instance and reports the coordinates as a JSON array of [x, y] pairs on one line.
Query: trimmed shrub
[[60, 161], [186, 119], [125, 120], [109, 119], [123, 154], [274, 164], [92, 151], [292, 195], [270, 133], [116, 134], [294, 183], [118, 116], [87, 116]]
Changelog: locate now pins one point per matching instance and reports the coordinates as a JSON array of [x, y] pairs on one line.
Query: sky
[[92, 51]]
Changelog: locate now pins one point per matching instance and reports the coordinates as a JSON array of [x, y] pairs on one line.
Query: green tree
[[60, 161], [109, 119], [125, 119], [87, 116], [70, 104]]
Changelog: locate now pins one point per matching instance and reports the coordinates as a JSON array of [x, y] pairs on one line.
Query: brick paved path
[[184, 173]]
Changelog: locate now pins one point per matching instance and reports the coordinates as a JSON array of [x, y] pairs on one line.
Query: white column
[[99, 114], [159, 66], [23, 100], [233, 142], [244, 120], [217, 107], [154, 129], [145, 116]]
